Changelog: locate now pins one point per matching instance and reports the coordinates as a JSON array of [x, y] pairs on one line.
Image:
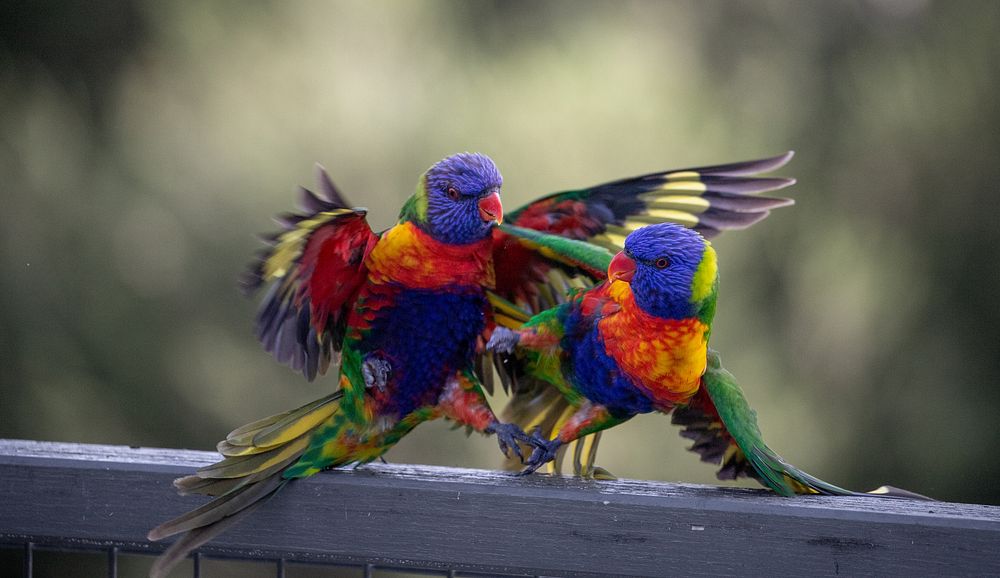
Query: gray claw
[[544, 452], [375, 372], [508, 435], [503, 340]]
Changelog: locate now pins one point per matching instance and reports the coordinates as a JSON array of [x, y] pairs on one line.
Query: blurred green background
[[143, 144]]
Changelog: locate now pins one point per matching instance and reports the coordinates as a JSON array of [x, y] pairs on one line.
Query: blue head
[[672, 271], [458, 199]]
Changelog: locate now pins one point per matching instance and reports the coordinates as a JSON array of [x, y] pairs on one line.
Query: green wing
[[589, 258]]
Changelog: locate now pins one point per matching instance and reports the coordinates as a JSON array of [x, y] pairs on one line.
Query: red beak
[[490, 208], [621, 268]]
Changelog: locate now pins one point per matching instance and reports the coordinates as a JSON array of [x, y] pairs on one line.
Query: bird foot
[[375, 372], [508, 435], [503, 340], [544, 452]]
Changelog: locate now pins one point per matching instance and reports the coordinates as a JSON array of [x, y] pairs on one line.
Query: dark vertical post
[[113, 562], [29, 560]]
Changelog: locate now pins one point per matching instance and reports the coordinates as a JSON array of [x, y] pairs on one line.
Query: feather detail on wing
[[708, 199], [315, 266]]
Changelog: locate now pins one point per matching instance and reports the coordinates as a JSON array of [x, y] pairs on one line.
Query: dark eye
[[453, 193], [662, 263]]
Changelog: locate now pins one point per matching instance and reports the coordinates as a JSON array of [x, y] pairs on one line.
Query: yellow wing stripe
[[566, 414], [290, 243], [503, 307], [683, 186], [683, 176], [672, 215], [686, 203]]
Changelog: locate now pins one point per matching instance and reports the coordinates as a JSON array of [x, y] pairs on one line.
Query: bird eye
[[453, 193], [662, 263]]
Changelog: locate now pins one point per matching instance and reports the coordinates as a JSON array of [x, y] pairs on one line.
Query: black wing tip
[[783, 158], [752, 167], [775, 162], [731, 221], [329, 190], [250, 281]]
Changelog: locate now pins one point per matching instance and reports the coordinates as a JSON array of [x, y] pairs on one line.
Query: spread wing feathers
[[315, 266], [708, 199], [725, 431], [255, 455]]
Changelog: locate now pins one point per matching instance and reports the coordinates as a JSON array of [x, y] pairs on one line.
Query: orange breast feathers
[[664, 357], [410, 257]]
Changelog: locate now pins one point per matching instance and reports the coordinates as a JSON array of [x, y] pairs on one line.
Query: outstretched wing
[[708, 199], [315, 266]]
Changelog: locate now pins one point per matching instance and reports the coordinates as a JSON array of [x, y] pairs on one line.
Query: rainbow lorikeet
[[404, 314], [638, 343]]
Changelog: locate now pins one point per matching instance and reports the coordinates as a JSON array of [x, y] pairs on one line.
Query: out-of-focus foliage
[[142, 144]]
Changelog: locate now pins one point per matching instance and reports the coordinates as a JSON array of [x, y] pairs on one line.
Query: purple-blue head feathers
[[675, 270], [458, 199]]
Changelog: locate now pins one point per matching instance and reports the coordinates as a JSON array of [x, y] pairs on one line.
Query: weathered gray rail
[[449, 519]]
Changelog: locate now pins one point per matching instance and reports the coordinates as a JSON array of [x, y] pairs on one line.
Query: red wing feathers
[[315, 267]]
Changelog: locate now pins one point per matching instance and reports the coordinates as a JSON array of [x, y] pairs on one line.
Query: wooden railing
[[455, 521]]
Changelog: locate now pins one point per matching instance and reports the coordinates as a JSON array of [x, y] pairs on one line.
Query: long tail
[[257, 458], [724, 429]]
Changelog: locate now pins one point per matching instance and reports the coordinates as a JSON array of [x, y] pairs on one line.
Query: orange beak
[[490, 208], [621, 268]]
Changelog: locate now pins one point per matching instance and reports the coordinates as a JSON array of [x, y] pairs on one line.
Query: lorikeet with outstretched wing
[[405, 311], [533, 277], [402, 314], [638, 343]]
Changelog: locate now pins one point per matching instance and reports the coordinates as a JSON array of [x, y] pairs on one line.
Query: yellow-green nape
[[420, 199], [705, 275]]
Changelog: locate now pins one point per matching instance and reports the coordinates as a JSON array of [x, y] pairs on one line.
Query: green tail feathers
[[257, 460], [740, 421]]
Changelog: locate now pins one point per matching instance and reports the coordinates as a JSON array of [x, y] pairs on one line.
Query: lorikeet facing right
[[403, 314], [638, 343]]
